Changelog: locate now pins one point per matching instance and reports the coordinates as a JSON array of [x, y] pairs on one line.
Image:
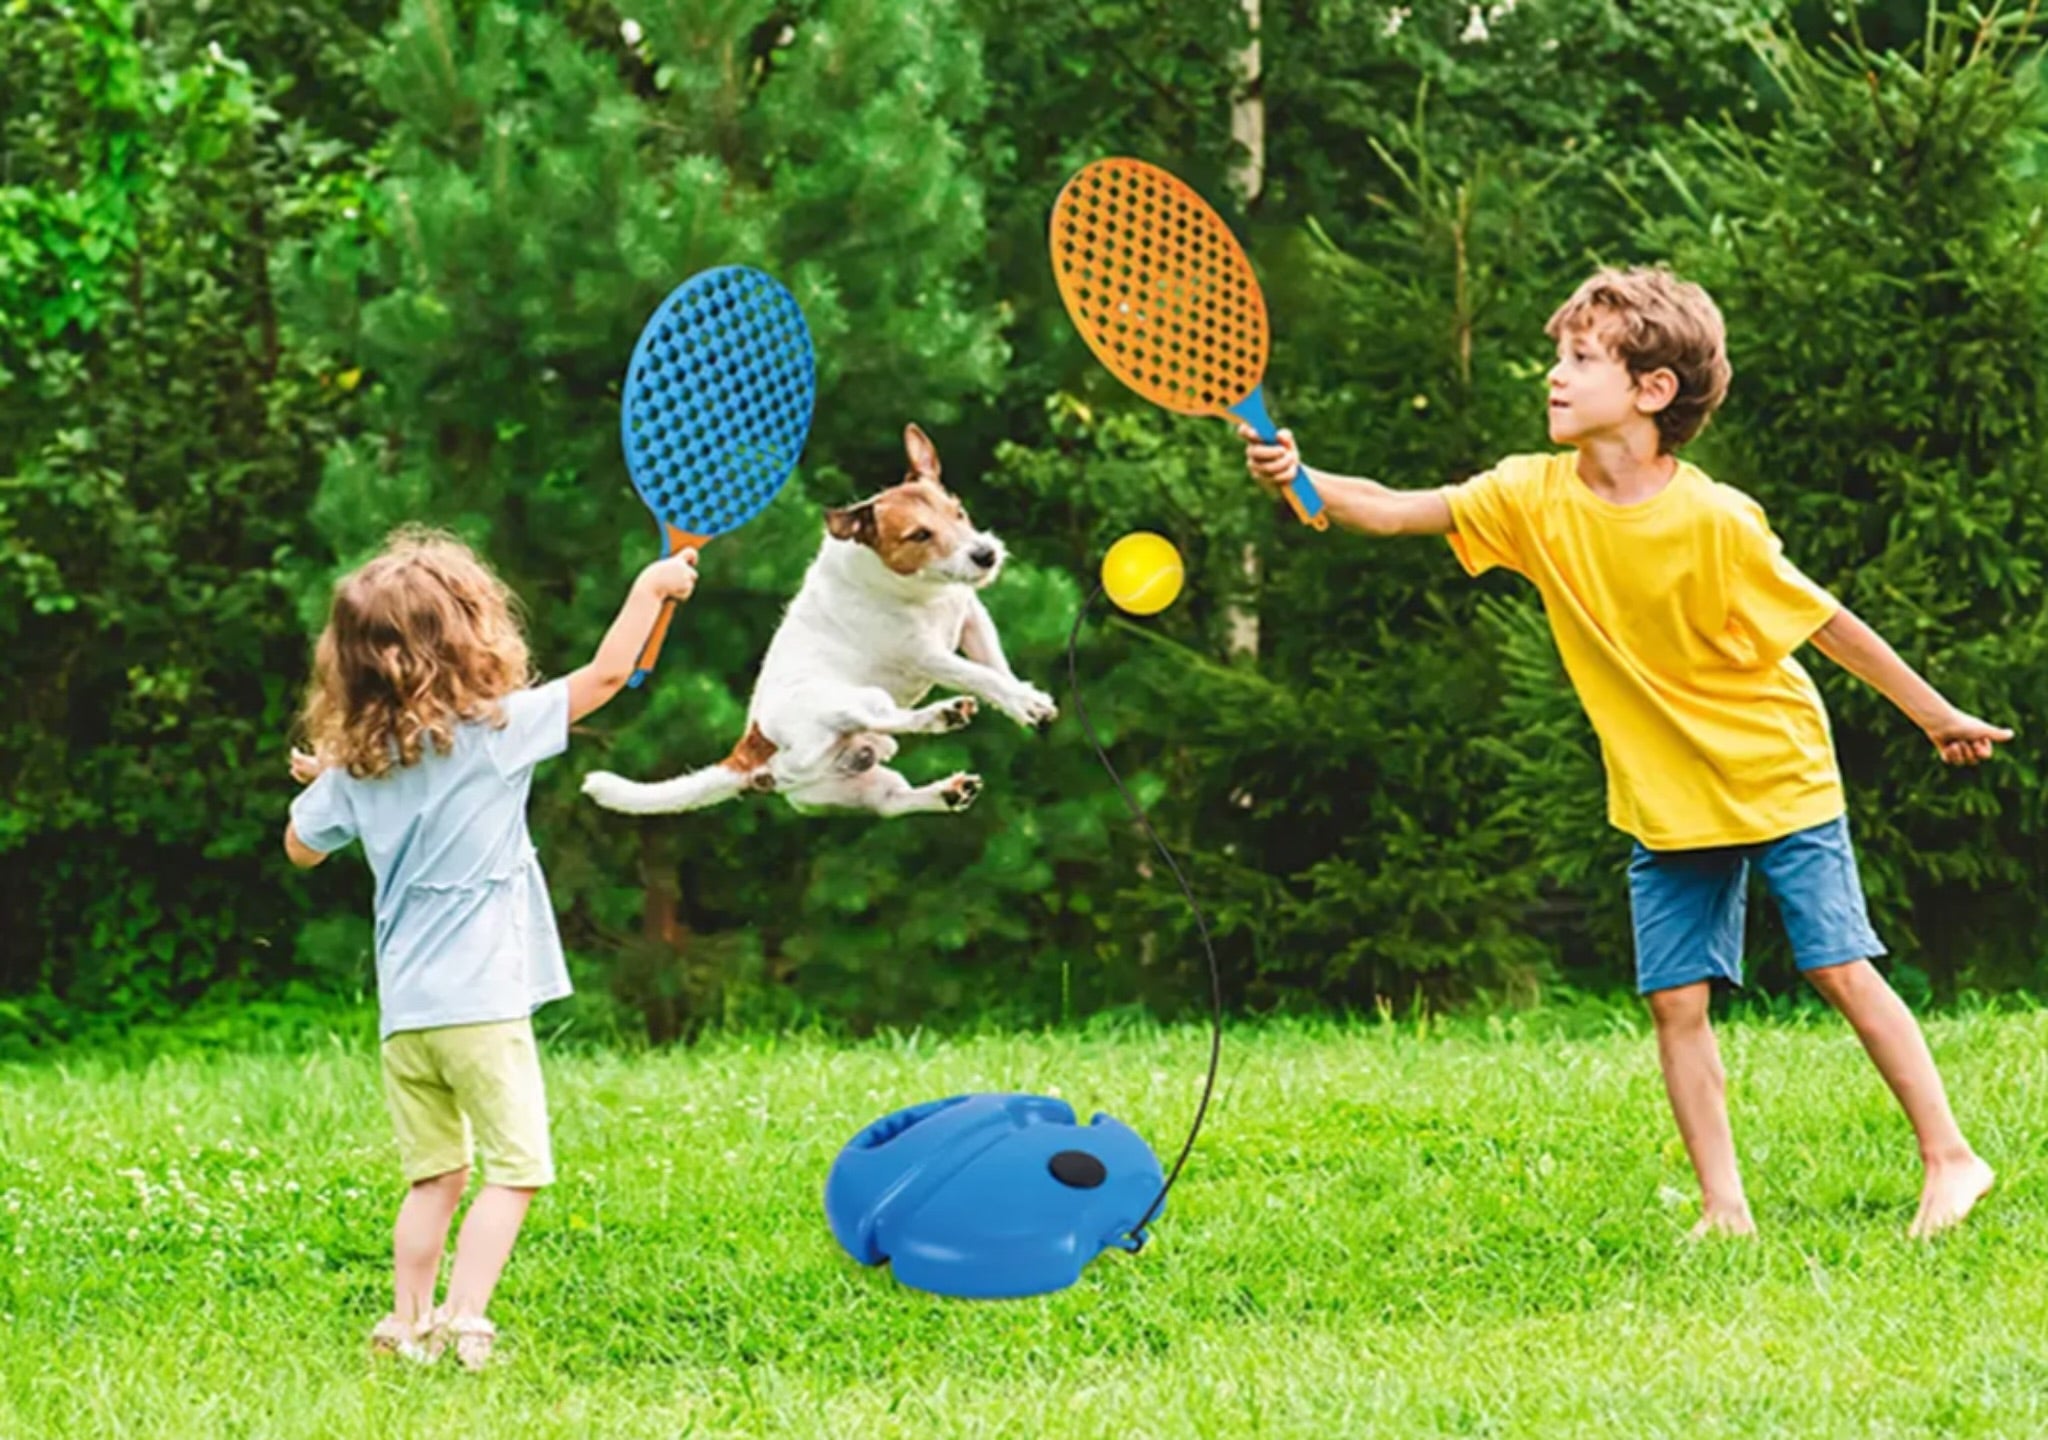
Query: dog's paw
[[1031, 707], [959, 791], [957, 713]]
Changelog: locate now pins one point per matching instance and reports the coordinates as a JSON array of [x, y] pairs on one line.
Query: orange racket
[[1163, 294]]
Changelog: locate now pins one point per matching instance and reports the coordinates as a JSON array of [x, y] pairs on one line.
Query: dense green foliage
[[276, 276]]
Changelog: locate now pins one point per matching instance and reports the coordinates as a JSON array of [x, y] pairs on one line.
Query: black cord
[[1137, 1231]]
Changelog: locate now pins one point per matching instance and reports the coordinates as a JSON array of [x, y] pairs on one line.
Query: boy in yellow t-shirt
[[1676, 615]]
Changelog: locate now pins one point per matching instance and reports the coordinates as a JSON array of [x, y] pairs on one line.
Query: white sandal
[[473, 1337], [415, 1342]]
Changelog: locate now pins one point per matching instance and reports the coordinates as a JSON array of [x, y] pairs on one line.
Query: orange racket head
[[1159, 287]]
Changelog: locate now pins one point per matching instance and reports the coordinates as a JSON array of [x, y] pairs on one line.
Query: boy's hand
[[1271, 465], [673, 578], [1964, 739], [305, 768]]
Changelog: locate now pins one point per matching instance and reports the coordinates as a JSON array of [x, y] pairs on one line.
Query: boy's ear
[[852, 522], [1656, 390]]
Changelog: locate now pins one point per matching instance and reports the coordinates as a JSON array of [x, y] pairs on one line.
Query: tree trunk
[[1248, 129]]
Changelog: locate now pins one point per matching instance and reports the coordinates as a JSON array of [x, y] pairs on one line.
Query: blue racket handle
[[1300, 492]]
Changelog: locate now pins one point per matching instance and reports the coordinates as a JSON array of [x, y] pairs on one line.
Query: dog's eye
[[918, 537]]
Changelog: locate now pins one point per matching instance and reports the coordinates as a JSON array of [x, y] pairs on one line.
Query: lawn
[[1389, 1229]]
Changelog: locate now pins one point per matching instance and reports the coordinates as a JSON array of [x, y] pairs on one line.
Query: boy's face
[[1592, 393]]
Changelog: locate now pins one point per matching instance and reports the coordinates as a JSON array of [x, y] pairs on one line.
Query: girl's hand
[[1964, 739], [673, 578], [1272, 465], [305, 768]]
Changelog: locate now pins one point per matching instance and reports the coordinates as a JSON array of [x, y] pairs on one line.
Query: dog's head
[[919, 529]]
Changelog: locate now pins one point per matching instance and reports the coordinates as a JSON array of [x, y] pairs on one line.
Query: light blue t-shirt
[[465, 932]]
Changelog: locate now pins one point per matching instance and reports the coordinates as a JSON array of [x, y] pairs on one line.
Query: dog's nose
[[984, 557]]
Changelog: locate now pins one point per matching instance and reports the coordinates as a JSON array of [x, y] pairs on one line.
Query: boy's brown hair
[[420, 639], [1652, 320]]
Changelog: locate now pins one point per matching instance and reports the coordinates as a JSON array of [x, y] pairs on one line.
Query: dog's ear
[[924, 456], [852, 522]]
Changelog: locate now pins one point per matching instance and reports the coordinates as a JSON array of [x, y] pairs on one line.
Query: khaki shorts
[[443, 1086]]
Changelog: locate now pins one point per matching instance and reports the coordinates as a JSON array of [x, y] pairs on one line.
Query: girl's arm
[[301, 855], [617, 654]]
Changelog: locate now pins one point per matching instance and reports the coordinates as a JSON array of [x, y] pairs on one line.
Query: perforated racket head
[[1159, 287], [717, 401]]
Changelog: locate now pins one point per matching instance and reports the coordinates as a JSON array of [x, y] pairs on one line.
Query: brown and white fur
[[888, 610]]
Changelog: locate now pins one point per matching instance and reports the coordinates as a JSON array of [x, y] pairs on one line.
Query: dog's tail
[[694, 791], [744, 770]]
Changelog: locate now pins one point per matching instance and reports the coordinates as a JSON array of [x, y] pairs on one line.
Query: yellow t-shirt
[[1676, 619]]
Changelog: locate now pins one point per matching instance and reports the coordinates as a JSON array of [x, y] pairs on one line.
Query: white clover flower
[[1475, 28], [1396, 18], [630, 31]]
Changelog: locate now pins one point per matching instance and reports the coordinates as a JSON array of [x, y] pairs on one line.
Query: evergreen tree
[[1879, 259]]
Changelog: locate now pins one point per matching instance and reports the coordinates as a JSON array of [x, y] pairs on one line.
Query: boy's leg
[[418, 1241], [1812, 875], [1687, 909], [1956, 1177], [1697, 1086]]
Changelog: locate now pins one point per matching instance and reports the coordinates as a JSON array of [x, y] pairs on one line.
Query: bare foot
[[1723, 1222], [1950, 1193]]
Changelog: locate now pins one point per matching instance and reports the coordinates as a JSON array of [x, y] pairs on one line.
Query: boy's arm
[[1354, 503], [1962, 739], [1376, 509], [619, 652]]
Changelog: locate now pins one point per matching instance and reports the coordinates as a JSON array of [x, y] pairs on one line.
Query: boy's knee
[[1681, 1008], [1843, 982]]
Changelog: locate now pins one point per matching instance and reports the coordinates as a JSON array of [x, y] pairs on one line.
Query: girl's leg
[[488, 1233], [418, 1241]]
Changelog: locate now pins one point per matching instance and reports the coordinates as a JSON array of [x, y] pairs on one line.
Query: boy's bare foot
[[1723, 1222], [1950, 1193]]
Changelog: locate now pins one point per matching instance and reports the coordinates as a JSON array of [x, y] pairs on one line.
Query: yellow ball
[[1142, 573]]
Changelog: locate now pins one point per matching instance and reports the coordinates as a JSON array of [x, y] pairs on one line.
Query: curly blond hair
[[418, 640], [1652, 320]]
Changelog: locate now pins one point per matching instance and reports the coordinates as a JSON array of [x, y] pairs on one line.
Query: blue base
[[990, 1196]]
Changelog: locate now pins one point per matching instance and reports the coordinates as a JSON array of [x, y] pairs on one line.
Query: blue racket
[[716, 407]]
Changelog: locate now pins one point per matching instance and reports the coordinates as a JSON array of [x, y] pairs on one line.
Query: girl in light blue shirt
[[425, 728]]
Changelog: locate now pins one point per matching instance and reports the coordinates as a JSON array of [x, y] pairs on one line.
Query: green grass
[[1385, 1232]]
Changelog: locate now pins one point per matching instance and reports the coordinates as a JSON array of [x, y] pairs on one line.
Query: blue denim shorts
[[1688, 906]]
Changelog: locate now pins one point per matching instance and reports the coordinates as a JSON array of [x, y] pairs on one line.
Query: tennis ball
[[1142, 573]]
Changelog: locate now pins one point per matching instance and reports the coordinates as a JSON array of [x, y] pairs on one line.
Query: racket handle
[[673, 542], [1307, 505], [1300, 493], [652, 651]]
